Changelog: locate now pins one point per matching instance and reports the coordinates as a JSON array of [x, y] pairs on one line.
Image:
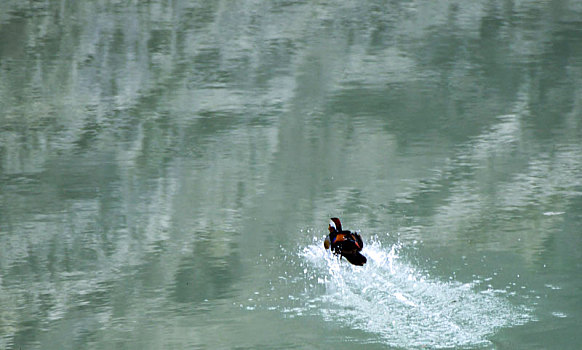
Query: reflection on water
[[209, 272], [159, 159]]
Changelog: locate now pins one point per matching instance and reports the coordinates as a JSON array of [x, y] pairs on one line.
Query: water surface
[[168, 170]]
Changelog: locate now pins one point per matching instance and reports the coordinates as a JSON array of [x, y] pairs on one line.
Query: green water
[[168, 170]]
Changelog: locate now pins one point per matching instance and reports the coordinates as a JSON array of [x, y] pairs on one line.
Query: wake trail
[[403, 306]]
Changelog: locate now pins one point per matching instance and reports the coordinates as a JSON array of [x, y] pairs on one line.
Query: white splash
[[403, 307]]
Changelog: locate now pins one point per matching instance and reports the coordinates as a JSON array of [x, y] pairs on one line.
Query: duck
[[344, 243]]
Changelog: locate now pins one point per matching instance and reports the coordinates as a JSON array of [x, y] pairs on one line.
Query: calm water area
[[168, 169]]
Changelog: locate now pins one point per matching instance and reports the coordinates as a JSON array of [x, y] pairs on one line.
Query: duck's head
[[335, 225]]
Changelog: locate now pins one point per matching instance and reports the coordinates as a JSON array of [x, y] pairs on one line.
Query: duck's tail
[[356, 258]]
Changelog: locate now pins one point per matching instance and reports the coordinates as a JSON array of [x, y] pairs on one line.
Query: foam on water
[[402, 306]]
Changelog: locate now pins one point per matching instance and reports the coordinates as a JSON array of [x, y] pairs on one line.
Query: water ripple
[[405, 307]]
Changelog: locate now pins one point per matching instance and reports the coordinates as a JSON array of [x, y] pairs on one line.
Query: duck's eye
[[332, 224]]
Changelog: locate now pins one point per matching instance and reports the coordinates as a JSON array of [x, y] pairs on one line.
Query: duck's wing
[[359, 240]]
